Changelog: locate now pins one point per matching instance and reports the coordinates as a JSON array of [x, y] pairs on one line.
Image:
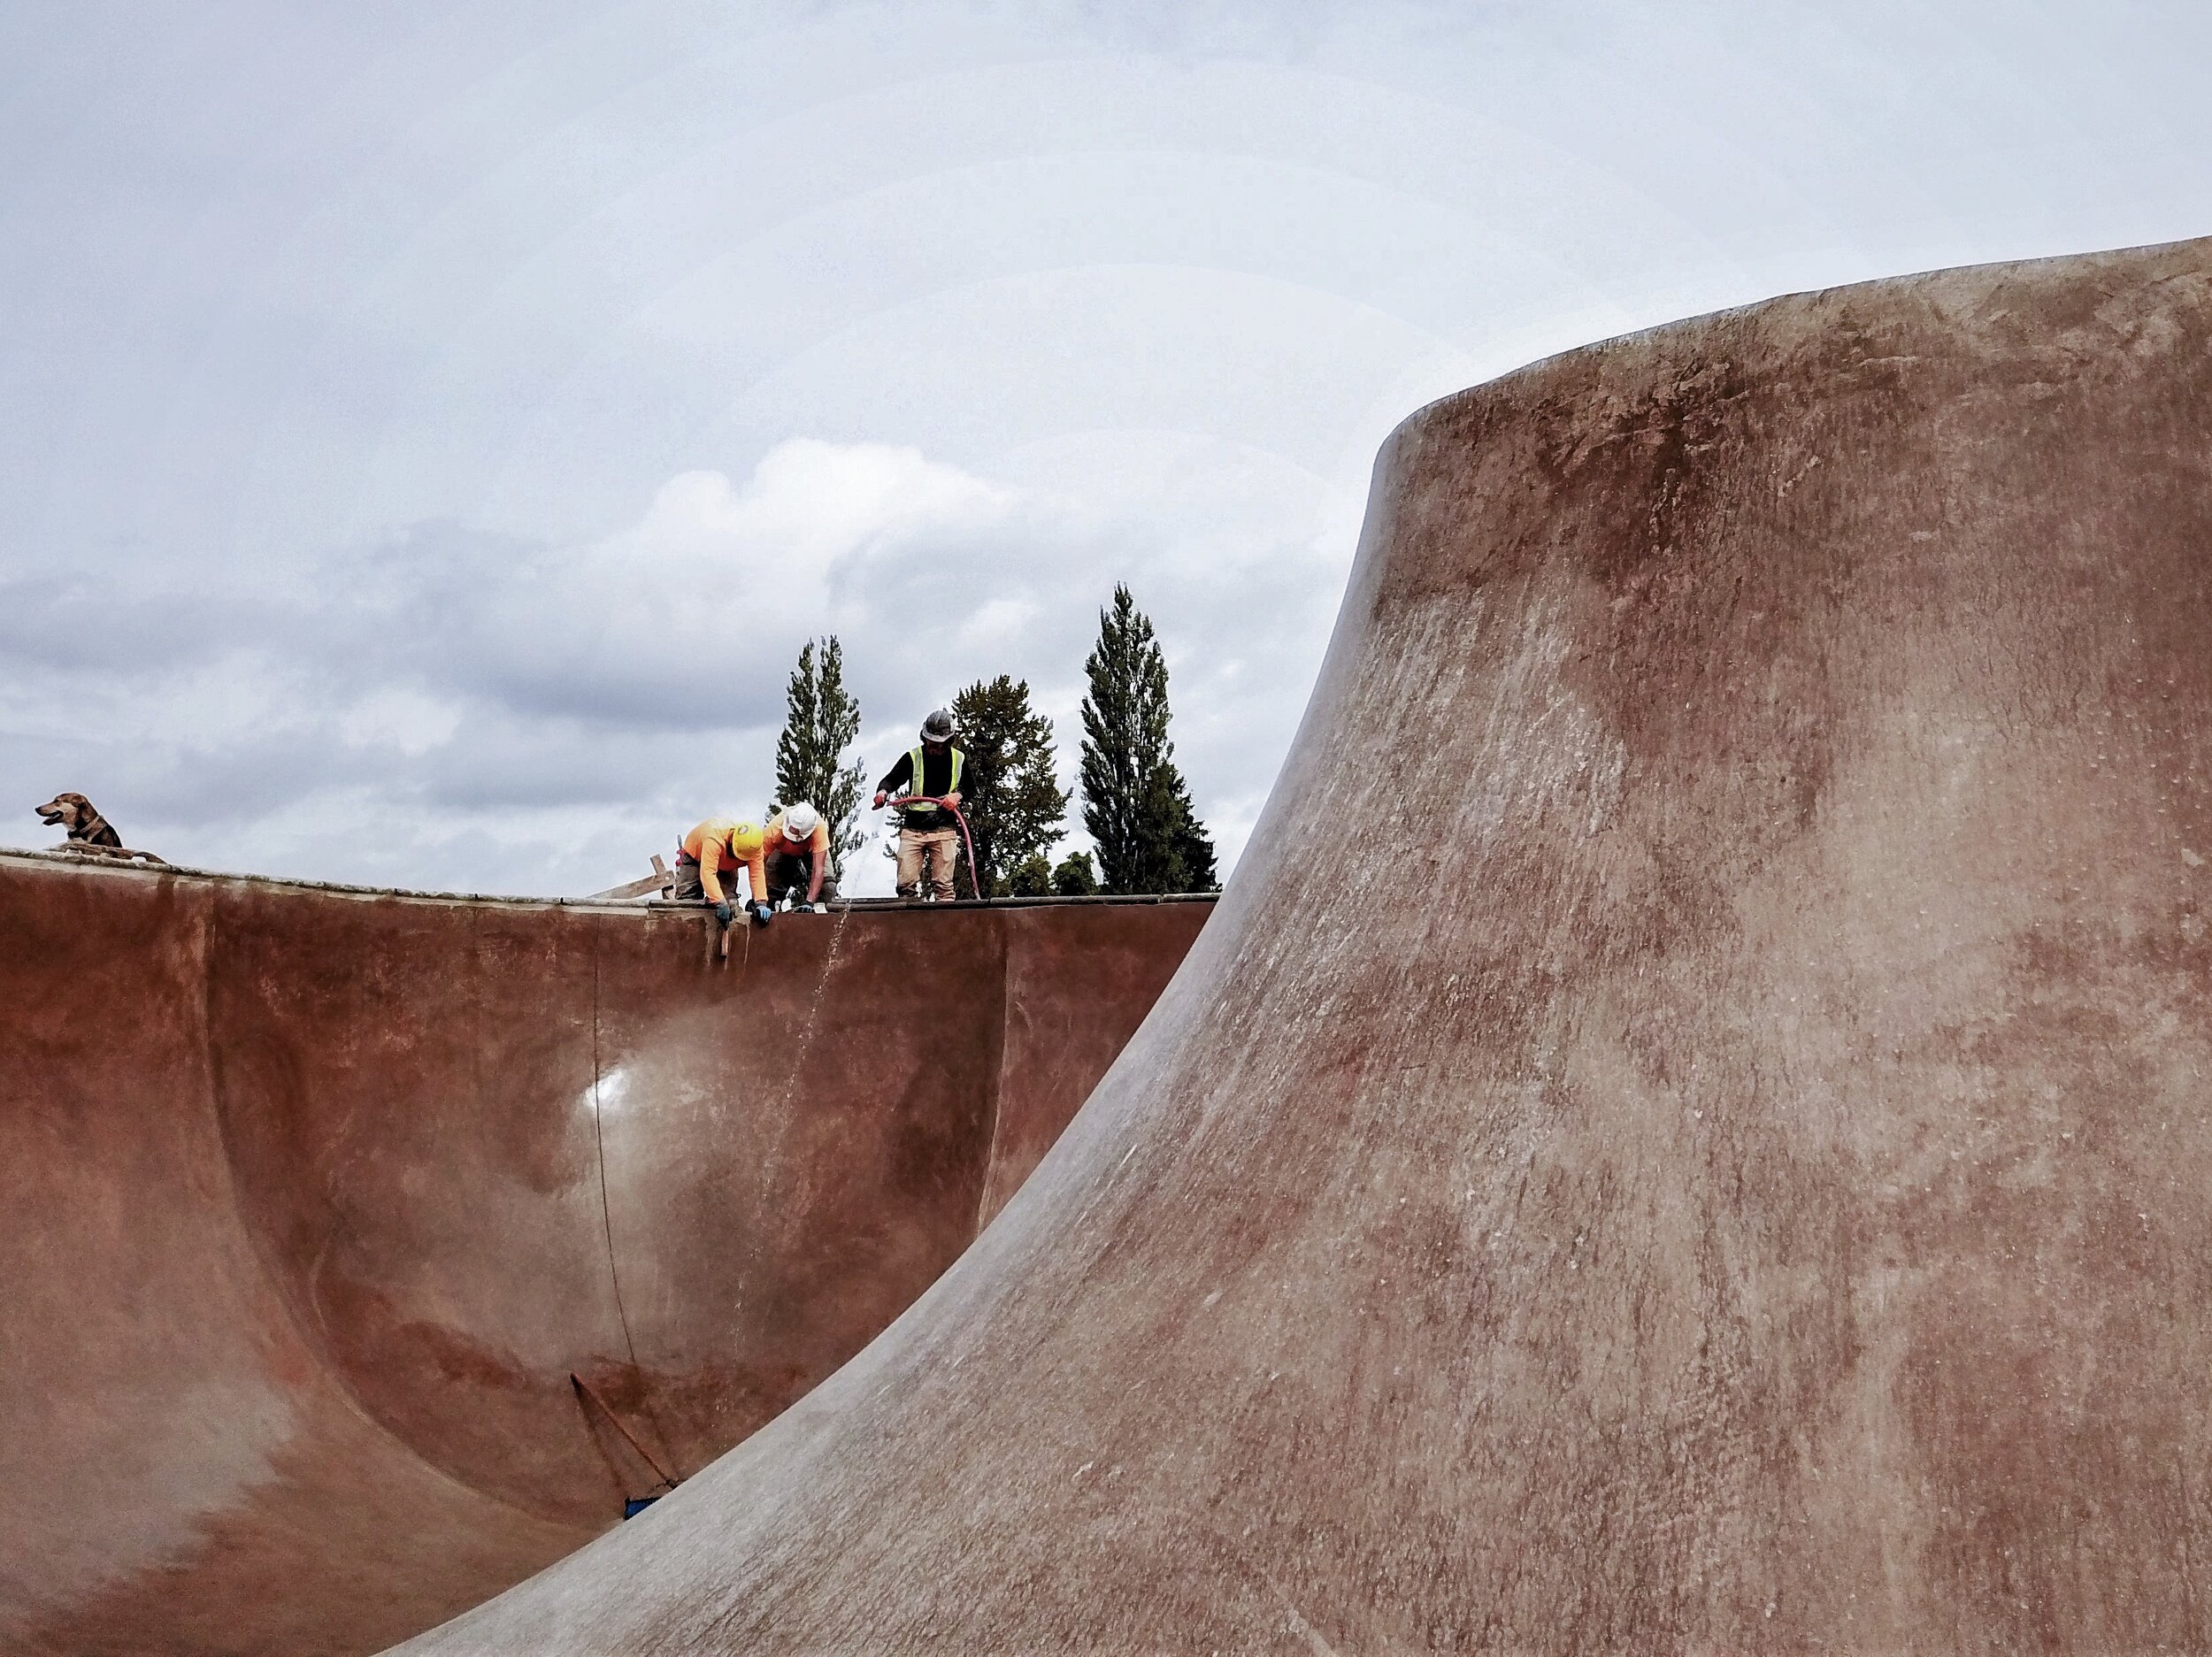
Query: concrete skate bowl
[[1732, 1172], [316, 1200]]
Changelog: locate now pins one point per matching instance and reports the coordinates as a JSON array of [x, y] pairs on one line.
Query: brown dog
[[88, 830]]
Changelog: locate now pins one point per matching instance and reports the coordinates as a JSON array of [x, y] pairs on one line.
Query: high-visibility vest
[[914, 783]]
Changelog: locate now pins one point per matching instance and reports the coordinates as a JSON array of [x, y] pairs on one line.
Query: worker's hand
[[953, 798], [802, 908], [725, 911], [881, 798], [761, 913]]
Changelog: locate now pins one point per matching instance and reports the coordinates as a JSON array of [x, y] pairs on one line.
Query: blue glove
[[761, 912], [725, 912]]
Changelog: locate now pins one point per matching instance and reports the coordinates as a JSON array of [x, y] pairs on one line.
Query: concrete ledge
[[116, 866]]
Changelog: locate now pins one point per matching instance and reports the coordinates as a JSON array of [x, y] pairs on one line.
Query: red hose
[[943, 805]]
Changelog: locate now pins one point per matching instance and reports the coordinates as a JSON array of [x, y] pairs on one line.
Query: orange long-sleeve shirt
[[815, 845], [722, 842]]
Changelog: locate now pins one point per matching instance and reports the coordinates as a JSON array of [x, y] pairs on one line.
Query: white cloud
[[695, 612], [491, 716], [999, 622], [397, 717]]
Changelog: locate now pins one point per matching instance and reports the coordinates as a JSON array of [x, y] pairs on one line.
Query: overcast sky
[[428, 430]]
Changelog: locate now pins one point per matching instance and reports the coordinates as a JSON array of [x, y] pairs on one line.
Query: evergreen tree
[[1014, 805], [1032, 877], [1195, 854], [1192, 846], [821, 720], [1125, 736], [1074, 878], [1135, 804]]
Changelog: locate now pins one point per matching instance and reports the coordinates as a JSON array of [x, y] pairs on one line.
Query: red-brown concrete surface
[[315, 1198], [1734, 1172]]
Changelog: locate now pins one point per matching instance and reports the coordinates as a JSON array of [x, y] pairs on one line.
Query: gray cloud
[[428, 432], [444, 676]]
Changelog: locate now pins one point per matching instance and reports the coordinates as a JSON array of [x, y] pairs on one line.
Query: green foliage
[[1190, 848], [1032, 877], [1074, 878], [821, 720], [1136, 803], [1014, 805]]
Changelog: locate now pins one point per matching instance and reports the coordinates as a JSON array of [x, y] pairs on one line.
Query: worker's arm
[[903, 771], [818, 855], [757, 872], [709, 868]]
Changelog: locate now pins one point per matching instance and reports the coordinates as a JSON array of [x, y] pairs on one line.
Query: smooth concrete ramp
[[1731, 1171], [315, 1199]]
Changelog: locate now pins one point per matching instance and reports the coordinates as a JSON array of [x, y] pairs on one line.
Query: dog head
[[67, 812]]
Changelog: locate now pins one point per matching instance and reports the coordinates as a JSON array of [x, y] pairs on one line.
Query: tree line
[[1136, 806]]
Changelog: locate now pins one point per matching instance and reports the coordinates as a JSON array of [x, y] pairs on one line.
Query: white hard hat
[[800, 821]]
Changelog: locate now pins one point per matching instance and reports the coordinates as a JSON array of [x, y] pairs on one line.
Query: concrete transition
[[315, 1201], [1734, 1171]]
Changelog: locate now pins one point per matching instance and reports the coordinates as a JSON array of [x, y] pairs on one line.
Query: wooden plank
[[659, 881]]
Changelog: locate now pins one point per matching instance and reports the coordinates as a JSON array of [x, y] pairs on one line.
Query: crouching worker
[[929, 837], [718, 846], [798, 856]]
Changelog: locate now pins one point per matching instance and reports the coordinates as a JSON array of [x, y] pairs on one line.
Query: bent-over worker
[[929, 838], [718, 845], [798, 854]]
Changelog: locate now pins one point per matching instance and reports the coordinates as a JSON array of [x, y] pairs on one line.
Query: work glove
[[801, 907], [725, 911], [760, 914]]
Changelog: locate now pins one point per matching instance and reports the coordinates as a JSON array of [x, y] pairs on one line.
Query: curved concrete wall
[[1739, 1176], [317, 1199]]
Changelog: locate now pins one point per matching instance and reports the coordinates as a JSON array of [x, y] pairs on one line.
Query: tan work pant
[[938, 850]]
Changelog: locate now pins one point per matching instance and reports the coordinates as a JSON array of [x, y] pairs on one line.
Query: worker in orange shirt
[[798, 843], [718, 845]]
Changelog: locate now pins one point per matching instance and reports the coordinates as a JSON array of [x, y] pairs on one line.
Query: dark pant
[[790, 871], [687, 887]]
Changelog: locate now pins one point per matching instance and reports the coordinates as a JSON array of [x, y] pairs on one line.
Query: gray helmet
[[937, 727]]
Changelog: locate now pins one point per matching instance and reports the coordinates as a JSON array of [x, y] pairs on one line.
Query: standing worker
[[798, 852], [718, 846], [928, 837]]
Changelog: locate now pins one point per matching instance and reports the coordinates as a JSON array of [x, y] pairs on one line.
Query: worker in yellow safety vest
[[722, 846], [929, 837]]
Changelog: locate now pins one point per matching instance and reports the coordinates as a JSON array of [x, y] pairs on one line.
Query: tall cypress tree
[[1013, 803], [821, 720], [1135, 804]]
